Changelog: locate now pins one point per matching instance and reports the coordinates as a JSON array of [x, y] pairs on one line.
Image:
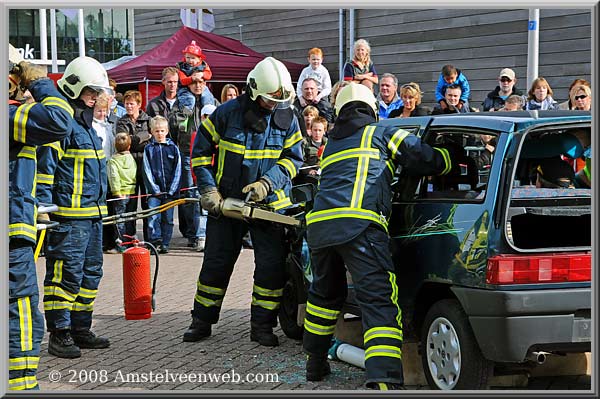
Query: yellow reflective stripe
[[220, 164], [382, 386], [27, 151], [233, 147], [318, 329], [59, 102], [289, 165], [77, 182], [210, 290], [207, 301], [87, 293], [383, 332], [58, 291], [201, 161], [81, 212], [280, 203], [22, 363], [42, 178], [24, 229], [293, 139], [394, 298], [383, 350], [57, 147], [84, 153], [346, 212], [321, 312], [21, 383], [269, 305], [208, 125], [447, 160], [25, 323], [267, 292], [351, 153], [57, 305], [396, 140], [362, 170], [260, 154], [82, 307], [20, 122], [225, 146], [57, 271]]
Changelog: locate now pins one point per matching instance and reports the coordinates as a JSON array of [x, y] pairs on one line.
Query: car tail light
[[551, 268]]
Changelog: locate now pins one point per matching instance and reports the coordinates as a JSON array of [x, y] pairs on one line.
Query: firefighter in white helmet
[[44, 121], [256, 144], [74, 250], [355, 192]]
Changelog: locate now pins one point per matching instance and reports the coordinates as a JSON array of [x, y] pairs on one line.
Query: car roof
[[500, 121]]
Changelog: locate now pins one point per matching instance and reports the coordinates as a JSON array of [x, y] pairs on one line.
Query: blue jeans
[[200, 216], [186, 98], [120, 207], [160, 226], [73, 273]]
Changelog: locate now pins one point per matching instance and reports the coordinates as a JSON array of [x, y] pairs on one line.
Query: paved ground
[[149, 354]]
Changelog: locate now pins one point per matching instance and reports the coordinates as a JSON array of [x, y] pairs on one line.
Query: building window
[[108, 34]]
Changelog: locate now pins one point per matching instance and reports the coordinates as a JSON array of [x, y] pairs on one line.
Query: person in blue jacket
[[162, 173], [451, 75], [251, 144], [44, 121], [74, 248]]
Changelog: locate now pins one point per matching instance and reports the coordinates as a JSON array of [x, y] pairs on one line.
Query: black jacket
[[418, 111], [493, 99]]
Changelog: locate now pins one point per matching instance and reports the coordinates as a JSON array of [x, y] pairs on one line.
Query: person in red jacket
[[193, 61]]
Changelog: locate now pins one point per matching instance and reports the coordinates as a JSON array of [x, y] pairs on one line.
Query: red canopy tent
[[229, 60]]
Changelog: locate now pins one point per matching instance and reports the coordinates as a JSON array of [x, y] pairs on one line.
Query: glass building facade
[[108, 33]]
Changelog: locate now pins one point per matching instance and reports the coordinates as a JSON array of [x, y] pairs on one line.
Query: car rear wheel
[[451, 357]]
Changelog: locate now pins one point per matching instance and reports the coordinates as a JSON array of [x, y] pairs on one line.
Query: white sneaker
[[200, 247]]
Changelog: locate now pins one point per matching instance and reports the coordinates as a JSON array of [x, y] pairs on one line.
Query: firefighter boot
[[385, 386], [263, 335], [86, 339], [317, 367], [61, 344], [198, 329]]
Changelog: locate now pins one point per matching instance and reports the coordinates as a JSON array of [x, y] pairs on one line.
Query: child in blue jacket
[[452, 75], [162, 172]]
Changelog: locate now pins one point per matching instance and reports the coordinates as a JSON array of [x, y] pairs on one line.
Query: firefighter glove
[[260, 189], [212, 201], [30, 72]]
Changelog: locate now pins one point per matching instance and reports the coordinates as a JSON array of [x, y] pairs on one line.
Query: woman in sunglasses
[[410, 93], [581, 97], [573, 86]]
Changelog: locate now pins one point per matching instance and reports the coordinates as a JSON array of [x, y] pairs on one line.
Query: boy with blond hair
[[162, 173], [317, 70]]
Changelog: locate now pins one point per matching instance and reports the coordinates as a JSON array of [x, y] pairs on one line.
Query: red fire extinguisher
[[137, 294]]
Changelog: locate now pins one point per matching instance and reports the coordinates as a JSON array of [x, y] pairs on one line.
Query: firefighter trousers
[[368, 260], [222, 248], [26, 323], [73, 273]]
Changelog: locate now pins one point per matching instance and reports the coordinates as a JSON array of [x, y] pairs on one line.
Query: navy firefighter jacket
[[30, 125], [242, 155], [80, 179], [356, 175]]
